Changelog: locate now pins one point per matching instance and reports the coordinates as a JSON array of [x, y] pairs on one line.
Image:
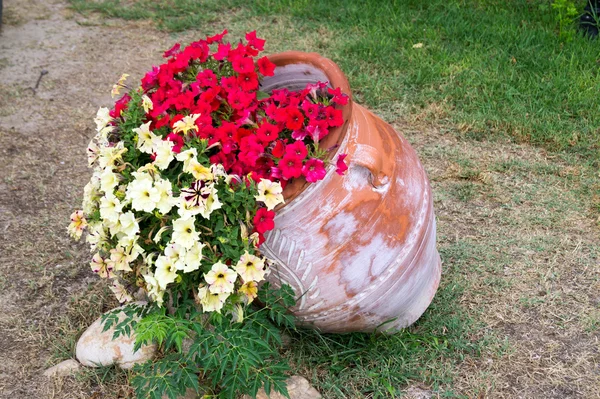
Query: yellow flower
[[199, 171], [117, 87], [110, 156], [100, 266], [221, 279], [147, 103], [270, 193], [165, 272], [250, 290], [145, 138], [250, 267], [77, 225], [211, 302], [119, 259], [186, 124], [184, 232]]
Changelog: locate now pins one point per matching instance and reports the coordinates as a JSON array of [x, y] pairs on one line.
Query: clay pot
[[359, 249]]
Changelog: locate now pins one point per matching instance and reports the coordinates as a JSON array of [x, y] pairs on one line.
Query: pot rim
[[336, 79]]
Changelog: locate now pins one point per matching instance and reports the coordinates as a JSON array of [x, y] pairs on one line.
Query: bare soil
[[519, 224]]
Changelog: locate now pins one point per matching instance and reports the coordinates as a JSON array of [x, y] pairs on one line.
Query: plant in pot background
[[188, 170]]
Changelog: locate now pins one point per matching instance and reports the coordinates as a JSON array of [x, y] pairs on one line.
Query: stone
[[63, 369], [417, 393], [96, 348], [298, 388]]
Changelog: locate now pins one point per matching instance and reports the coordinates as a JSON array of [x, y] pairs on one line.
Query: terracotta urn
[[358, 249]]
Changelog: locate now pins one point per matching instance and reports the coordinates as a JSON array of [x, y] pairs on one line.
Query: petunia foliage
[[189, 170]]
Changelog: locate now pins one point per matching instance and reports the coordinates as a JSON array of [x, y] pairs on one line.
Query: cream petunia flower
[[102, 118], [100, 266], [120, 292], [251, 267], [92, 153], [186, 157], [184, 232], [211, 302], [96, 237], [110, 208], [186, 124], [77, 225], [153, 288], [145, 138], [147, 103], [177, 254], [221, 279], [164, 153], [119, 259], [193, 256], [165, 272], [128, 224], [166, 201], [143, 195], [270, 193], [108, 180]]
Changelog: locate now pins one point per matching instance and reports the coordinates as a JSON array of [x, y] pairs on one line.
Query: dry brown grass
[[518, 223]]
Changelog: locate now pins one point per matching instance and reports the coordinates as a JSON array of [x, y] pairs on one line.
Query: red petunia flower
[[267, 132], [341, 165], [207, 78], [314, 170], [248, 81], [263, 220], [278, 149], [334, 117], [290, 167], [177, 141], [216, 38], [120, 106], [243, 65], [297, 150], [172, 51], [338, 97], [222, 52], [294, 118], [254, 41], [266, 67]]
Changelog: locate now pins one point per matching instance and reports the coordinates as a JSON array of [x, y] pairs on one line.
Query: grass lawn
[[487, 68], [502, 111]]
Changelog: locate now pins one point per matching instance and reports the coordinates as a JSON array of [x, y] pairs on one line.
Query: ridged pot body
[[358, 249]]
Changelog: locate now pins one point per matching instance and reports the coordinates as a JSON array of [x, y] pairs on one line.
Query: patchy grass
[[490, 67], [517, 314]]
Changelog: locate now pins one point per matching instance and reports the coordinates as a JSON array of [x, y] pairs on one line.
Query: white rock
[[63, 369], [298, 388], [96, 348]]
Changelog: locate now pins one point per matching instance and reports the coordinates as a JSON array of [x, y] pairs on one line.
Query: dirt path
[[516, 223]]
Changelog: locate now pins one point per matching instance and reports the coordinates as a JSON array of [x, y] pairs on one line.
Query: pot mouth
[[294, 70]]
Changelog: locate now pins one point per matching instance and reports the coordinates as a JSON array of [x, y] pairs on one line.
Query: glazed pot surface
[[358, 249]]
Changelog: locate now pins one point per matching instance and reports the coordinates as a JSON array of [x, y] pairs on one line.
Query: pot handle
[[368, 157]]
